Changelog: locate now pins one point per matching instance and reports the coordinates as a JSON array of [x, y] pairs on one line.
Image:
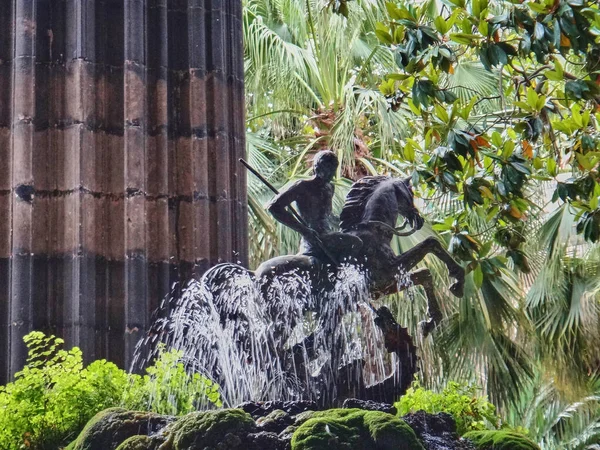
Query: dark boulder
[[262, 409], [265, 440], [276, 421], [369, 405]]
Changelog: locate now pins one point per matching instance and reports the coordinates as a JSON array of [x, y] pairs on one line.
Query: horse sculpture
[[368, 224]]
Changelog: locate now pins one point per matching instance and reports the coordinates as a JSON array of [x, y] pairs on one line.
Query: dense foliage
[[491, 148], [492, 108], [54, 395]]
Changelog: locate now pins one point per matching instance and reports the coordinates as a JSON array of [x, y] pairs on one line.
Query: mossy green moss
[[223, 429], [354, 429], [109, 428], [138, 443], [500, 440]]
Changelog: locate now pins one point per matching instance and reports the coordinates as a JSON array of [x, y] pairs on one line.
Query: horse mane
[[357, 198]]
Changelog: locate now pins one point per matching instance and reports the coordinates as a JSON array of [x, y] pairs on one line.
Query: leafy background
[[492, 107]]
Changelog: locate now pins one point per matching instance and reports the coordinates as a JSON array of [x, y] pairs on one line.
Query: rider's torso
[[314, 205]]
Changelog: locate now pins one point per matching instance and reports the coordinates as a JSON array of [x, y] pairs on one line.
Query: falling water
[[287, 344]]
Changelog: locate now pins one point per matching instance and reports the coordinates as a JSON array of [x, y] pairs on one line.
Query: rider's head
[[325, 165]]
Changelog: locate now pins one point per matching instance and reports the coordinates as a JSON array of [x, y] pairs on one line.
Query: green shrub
[[470, 411], [169, 389], [54, 396]]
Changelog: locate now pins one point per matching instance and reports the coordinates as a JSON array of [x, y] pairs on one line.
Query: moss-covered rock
[[219, 430], [139, 442], [500, 440], [275, 421], [109, 428], [354, 429]]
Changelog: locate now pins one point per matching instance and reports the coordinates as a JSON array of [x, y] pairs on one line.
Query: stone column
[[121, 123]]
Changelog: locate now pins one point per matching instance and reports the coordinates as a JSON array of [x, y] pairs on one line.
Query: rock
[[262, 409], [265, 440], [227, 429], [354, 429], [500, 440], [298, 420], [286, 435], [303, 417], [139, 443], [109, 428], [369, 405], [277, 429], [275, 422], [437, 431]]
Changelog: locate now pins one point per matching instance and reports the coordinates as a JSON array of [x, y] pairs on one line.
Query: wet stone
[[263, 409], [369, 405], [286, 435], [303, 417], [275, 421], [265, 440], [437, 431]]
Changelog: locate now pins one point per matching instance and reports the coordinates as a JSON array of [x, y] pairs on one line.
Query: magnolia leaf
[[464, 38]]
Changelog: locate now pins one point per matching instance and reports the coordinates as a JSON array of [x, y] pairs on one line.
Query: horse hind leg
[[422, 277]]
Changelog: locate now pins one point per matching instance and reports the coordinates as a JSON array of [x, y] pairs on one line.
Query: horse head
[[377, 201], [406, 207]]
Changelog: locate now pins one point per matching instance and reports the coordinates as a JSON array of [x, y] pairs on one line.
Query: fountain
[[303, 327]]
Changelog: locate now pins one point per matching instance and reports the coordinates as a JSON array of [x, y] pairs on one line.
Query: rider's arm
[[278, 207]]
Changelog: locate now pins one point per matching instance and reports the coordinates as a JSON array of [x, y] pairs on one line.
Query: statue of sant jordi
[[367, 224]]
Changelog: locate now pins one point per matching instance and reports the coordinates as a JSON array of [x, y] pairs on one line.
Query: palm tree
[[312, 72], [312, 82]]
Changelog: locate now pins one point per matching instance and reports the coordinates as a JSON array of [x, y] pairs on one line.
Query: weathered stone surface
[[275, 421], [139, 442], [262, 409], [121, 124], [369, 405], [265, 440], [225, 429]]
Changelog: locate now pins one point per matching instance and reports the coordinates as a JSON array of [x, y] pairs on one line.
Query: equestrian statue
[[367, 224]]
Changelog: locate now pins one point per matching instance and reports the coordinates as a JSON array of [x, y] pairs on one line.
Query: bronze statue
[[314, 200], [367, 224]]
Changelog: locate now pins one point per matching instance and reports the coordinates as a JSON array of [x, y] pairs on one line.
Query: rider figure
[[313, 198]]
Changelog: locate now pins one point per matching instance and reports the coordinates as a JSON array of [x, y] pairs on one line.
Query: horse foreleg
[[409, 259]]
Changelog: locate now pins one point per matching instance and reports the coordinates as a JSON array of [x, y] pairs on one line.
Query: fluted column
[[121, 123]]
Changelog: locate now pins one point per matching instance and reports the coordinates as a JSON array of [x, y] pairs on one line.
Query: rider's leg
[[409, 259]]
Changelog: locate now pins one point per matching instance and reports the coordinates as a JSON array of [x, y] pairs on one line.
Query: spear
[[291, 209]]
